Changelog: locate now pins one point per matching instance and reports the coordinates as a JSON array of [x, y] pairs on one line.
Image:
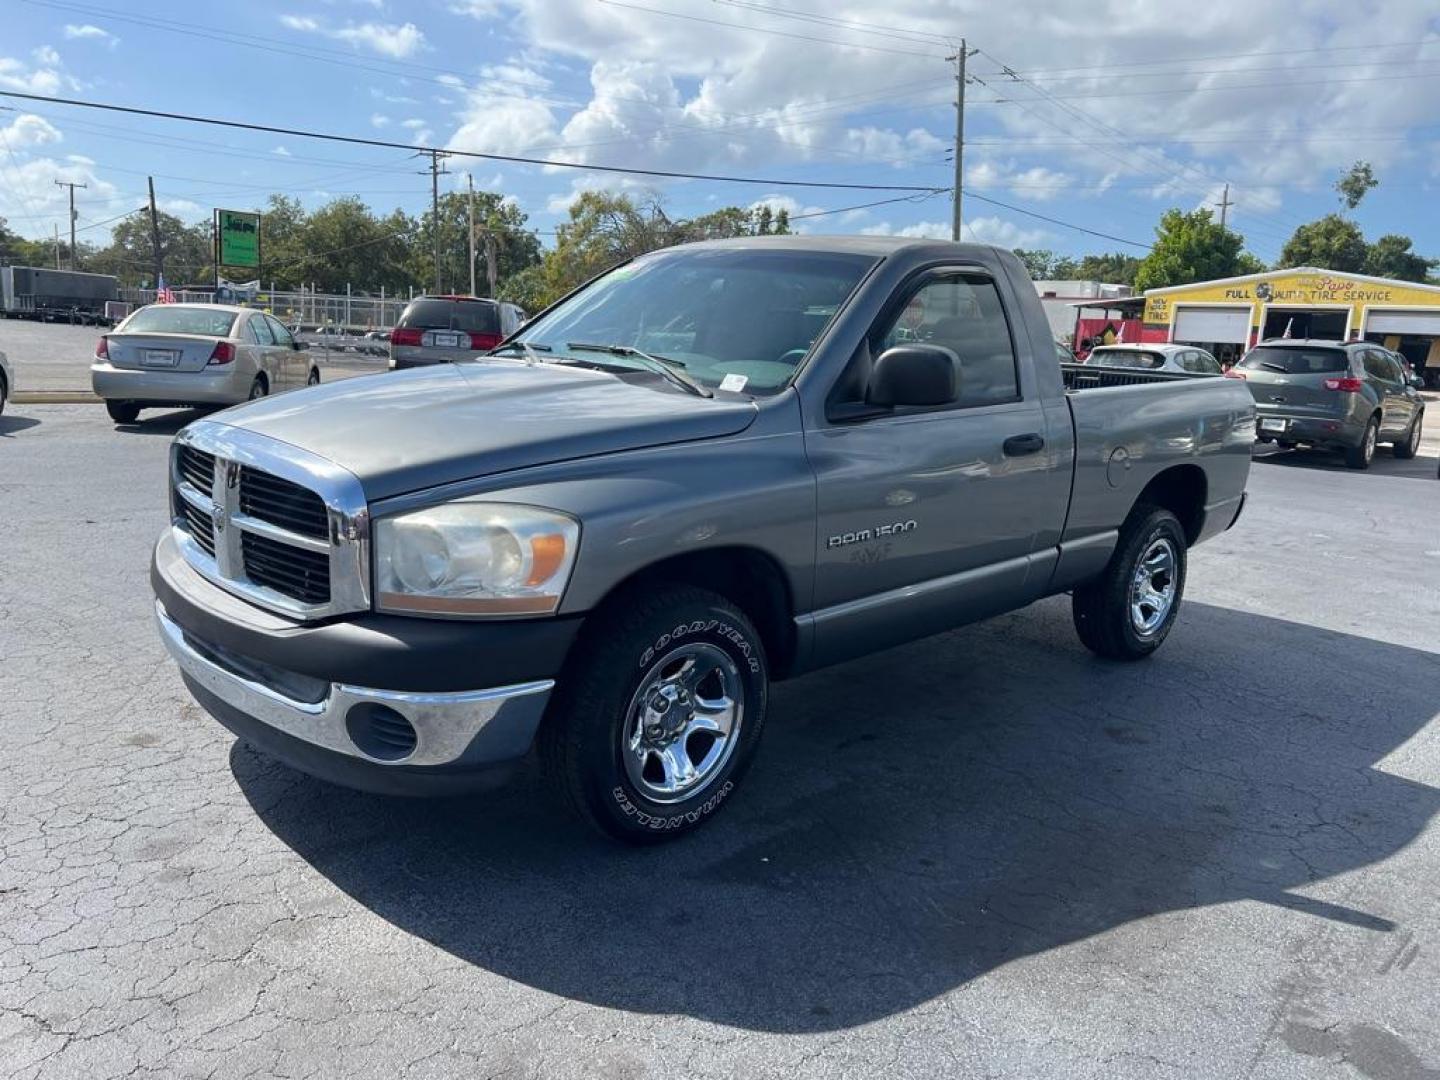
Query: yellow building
[[1231, 315]]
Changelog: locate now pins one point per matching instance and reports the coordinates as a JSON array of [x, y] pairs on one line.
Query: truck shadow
[[1420, 467], [918, 818]]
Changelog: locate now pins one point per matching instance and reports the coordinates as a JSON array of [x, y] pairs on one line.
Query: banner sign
[[238, 233]]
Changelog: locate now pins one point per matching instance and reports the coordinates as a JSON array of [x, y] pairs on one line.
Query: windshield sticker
[[734, 383]]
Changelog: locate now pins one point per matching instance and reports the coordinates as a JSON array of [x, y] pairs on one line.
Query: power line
[[918, 37], [1056, 221], [765, 30], [385, 144]]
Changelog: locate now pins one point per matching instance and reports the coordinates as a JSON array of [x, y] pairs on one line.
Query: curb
[[55, 397]]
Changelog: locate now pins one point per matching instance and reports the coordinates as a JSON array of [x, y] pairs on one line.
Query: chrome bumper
[[502, 720]]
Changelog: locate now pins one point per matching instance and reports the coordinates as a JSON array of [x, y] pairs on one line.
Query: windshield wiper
[[669, 369], [524, 346], [1281, 368]]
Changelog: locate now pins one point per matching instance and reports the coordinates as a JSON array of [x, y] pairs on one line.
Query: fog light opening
[[380, 732]]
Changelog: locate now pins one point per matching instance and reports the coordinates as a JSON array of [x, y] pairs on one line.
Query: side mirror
[[916, 375], [1417, 381]]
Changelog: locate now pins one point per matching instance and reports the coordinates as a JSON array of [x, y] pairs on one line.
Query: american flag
[[163, 293]]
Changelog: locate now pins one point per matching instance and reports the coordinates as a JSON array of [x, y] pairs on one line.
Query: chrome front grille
[[281, 527]]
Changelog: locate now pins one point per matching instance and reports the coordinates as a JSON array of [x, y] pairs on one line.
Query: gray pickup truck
[[712, 467]]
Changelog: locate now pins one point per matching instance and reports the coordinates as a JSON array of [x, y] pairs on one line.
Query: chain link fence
[[304, 311]]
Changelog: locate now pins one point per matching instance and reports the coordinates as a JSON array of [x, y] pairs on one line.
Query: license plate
[[1272, 425], [451, 341], [160, 357]]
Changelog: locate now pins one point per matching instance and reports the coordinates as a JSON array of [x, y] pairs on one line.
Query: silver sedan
[[196, 354]]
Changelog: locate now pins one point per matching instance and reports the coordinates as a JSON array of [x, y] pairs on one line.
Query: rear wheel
[[123, 412], [659, 714], [1128, 611], [314, 379], [259, 388], [1409, 446], [1360, 457], [4, 393]]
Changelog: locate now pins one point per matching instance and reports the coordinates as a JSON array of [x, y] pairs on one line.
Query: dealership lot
[[986, 854]]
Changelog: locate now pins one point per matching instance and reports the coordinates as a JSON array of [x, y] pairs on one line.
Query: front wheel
[[1409, 446], [1128, 611], [658, 714]]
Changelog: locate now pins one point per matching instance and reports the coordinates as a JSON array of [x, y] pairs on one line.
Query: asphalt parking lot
[[986, 854]]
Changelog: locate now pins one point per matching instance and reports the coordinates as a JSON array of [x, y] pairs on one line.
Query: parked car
[[715, 466], [7, 381], [376, 343], [1333, 395], [436, 329], [1174, 359], [167, 355]]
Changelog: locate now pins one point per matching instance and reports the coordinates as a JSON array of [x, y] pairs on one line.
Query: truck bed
[[1093, 376]]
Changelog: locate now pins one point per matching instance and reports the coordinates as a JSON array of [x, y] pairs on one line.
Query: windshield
[[472, 316], [1290, 360], [739, 320], [167, 319], [1131, 358]]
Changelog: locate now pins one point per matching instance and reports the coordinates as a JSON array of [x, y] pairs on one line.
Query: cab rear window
[[473, 316], [1292, 360]]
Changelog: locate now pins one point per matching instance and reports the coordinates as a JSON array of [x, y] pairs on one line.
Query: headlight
[[474, 558]]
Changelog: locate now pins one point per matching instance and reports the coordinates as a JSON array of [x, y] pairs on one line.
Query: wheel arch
[[1181, 489], [749, 577]]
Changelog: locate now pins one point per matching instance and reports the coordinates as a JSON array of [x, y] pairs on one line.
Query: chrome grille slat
[[270, 522]]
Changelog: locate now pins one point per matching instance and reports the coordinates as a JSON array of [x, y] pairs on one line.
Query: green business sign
[[239, 237]]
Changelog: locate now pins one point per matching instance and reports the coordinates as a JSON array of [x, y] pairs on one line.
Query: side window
[[1397, 368], [278, 332], [1186, 360], [963, 313], [1206, 364], [260, 332], [1376, 367]]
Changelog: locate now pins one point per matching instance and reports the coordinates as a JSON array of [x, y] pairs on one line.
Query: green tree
[[1046, 265], [1332, 243], [782, 222], [1115, 268], [130, 255], [1189, 247], [764, 220], [345, 244], [1356, 184], [1391, 257], [282, 242], [516, 246], [15, 250]]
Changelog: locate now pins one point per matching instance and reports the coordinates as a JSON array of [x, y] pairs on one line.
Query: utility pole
[[470, 183], [1224, 204], [491, 262], [959, 58], [155, 235], [436, 157], [72, 186]]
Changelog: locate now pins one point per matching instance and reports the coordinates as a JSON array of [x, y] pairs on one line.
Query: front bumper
[[223, 386], [306, 693]]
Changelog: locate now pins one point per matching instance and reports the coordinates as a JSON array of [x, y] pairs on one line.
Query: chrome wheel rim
[[1370, 437], [1153, 587], [683, 722], [1415, 436]]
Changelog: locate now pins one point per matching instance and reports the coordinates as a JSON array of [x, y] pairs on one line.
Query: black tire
[[123, 412], [4, 394], [314, 379], [624, 648], [259, 388], [1360, 457], [1102, 608], [1409, 446]]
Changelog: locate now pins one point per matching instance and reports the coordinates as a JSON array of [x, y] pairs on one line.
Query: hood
[[409, 430]]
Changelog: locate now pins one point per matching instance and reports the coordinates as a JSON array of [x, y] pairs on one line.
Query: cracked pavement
[[983, 855]]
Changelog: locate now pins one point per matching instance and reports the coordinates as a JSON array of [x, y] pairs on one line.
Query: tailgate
[[160, 352]]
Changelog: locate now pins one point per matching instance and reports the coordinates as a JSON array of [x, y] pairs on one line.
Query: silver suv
[[435, 329]]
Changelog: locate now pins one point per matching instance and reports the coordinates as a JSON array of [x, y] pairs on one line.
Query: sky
[[1097, 116]]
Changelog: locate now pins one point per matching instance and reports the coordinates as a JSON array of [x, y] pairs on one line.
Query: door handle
[[1017, 445]]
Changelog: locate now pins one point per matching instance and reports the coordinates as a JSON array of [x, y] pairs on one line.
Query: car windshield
[[1132, 358], [167, 319], [472, 316], [739, 320], [1295, 360]]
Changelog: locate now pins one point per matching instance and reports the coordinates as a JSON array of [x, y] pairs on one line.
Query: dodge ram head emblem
[[218, 513]]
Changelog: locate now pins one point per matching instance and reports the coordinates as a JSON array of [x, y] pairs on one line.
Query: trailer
[[35, 292]]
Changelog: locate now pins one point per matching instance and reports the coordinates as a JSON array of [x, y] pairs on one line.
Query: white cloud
[[981, 230], [88, 30], [28, 130], [46, 56], [398, 41], [280, 151], [379, 120], [1036, 182], [414, 123], [15, 75]]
